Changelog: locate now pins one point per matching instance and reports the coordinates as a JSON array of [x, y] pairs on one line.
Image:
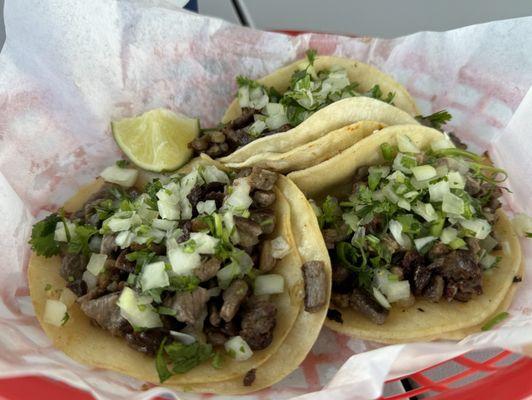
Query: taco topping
[[265, 111], [177, 269], [419, 225]]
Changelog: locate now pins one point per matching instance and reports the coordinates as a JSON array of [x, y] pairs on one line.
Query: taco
[[197, 278], [297, 104], [419, 244]]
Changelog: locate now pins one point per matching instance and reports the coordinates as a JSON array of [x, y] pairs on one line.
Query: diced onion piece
[[456, 180], [226, 275], [168, 210], [280, 247], [257, 127], [183, 263], [424, 172], [448, 235], [268, 284], [138, 314], [169, 193], [397, 176], [480, 227], [96, 263], [488, 261], [390, 194], [404, 204], [507, 250], [243, 96], [54, 312], [438, 190], [90, 279], [398, 290], [406, 145], [124, 239], [411, 195], [183, 337], [425, 210], [381, 299], [442, 170], [351, 219], [205, 244], [522, 224], [422, 242], [164, 224], [67, 297], [258, 98], [229, 224], [206, 207], [119, 224], [60, 233], [452, 204], [489, 243], [396, 230], [154, 276], [238, 348], [121, 176], [380, 278], [440, 144], [239, 200]]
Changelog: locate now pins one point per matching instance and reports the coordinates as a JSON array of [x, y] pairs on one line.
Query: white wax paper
[[69, 67]]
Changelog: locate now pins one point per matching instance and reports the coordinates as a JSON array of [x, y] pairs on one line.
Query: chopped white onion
[[381, 299], [397, 176], [396, 230], [424, 172], [89, 279], [212, 174], [488, 261], [60, 233], [96, 263], [121, 176], [257, 127], [154, 276], [406, 145], [124, 239], [139, 315], [480, 227], [238, 348], [183, 337], [280, 247], [168, 210], [268, 284], [183, 263], [55, 312], [205, 244], [448, 235], [397, 290], [206, 207], [226, 275], [438, 190], [164, 224], [239, 200], [425, 210], [404, 204], [422, 242], [456, 180], [452, 204]]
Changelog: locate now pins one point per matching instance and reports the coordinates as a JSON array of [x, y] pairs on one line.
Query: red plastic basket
[[502, 376]]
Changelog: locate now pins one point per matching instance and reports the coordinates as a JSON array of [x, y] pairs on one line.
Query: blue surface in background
[[192, 5]]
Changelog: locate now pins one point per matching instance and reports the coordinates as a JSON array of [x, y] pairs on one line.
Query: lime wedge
[[156, 140]]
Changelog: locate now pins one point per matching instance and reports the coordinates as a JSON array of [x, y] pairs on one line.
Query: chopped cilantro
[[495, 320], [42, 236], [331, 211], [151, 189], [183, 283], [311, 55], [47, 287], [80, 243], [141, 257], [181, 357], [122, 163], [436, 120], [65, 319], [166, 311], [217, 360]]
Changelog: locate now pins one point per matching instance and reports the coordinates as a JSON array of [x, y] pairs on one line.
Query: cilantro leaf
[[151, 190], [161, 365], [80, 242], [377, 93], [183, 283], [436, 120], [42, 237], [243, 81], [217, 360], [182, 357], [311, 55], [65, 319], [331, 211], [141, 257], [122, 163]]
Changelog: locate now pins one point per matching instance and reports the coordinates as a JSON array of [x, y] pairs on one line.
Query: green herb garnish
[[495, 320], [42, 237]]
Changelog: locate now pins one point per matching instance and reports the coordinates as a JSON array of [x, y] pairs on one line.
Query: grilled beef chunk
[[108, 276], [282, 128], [258, 322], [315, 285], [472, 186], [108, 245], [214, 315], [249, 378], [123, 264], [208, 269], [72, 268], [456, 141], [364, 303], [263, 198], [186, 228], [91, 294], [409, 261], [106, 314], [233, 296], [244, 119], [340, 300], [335, 315], [248, 231], [189, 306], [376, 224], [460, 268], [342, 279], [434, 290], [229, 328], [194, 197], [265, 218], [267, 262], [333, 235], [438, 250], [262, 179], [147, 342], [236, 138], [200, 144], [216, 338]]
